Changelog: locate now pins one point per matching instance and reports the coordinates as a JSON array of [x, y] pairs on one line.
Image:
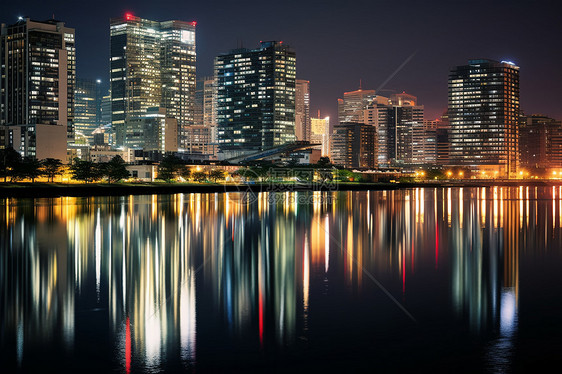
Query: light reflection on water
[[185, 280]]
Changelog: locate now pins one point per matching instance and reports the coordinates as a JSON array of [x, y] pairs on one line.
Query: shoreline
[[45, 190]]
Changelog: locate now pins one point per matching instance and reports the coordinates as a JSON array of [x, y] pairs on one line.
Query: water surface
[[446, 279]]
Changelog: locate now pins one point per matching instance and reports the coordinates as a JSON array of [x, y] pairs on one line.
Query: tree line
[[14, 168]]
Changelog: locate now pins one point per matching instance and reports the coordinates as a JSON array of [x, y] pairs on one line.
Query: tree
[[324, 162], [200, 176], [85, 171], [345, 175], [184, 172], [216, 174], [29, 168], [115, 170], [9, 162], [247, 174], [50, 168], [169, 168]]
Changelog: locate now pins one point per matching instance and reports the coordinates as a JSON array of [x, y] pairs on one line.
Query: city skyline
[[444, 38]]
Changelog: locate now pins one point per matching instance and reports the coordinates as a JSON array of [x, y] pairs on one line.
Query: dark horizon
[[339, 45]]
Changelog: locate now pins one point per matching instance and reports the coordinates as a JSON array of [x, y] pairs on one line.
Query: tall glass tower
[[255, 93], [484, 115], [152, 65], [38, 77]]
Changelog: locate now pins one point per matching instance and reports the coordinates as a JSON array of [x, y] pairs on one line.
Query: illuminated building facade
[[152, 64], [483, 115], [352, 107], [202, 138], [87, 109], [540, 142], [320, 134], [255, 98], [354, 145], [302, 110], [403, 124], [37, 82], [154, 130]]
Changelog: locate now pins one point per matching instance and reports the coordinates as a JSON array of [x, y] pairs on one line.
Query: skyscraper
[[483, 115], [202, 138], [320, 134], [352, 107], [87, 109], [354, 145], [302, 110], [540, 142], [152, 65], [37, 84], [255, 98]]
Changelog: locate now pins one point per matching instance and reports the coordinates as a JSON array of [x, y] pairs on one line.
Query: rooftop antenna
[[360, 84], [53, 15], [318, 113]]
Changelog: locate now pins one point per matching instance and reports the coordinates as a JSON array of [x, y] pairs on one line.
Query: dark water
[[442, 280]]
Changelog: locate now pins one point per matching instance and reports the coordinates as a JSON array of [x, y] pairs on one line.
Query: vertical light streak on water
[[306, 279], [527, 205], [98, 253], [436, 228], [449, 205], [521, 206], [553, 207], [326, 243], [502, 223], [495, 211], [461, 207], [483, 207], [187, 314], [422, 205], [19, 343], [560, 206]]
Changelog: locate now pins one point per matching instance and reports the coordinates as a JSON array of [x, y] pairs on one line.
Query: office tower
[[152, 131], [483, 115], [400, 124], [352, 107], [105, 111], [302, 110], [354, 145], [87, 109], [424, 142], [152, 65], [37, 86], [398, 120], [540, 141], [442, 139], [320, 134], [202, 138], [255, 98]]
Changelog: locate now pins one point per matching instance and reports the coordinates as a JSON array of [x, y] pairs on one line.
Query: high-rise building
[[152, 131], [483, 115], [87, 109], [202, 138], [38, 75], [302, 110], [402, 120], [152, 65], [105, 110], [442, 139], [255, 99], [540, 142], [352, 107], [399, 122], [354, 145], [320, 134]]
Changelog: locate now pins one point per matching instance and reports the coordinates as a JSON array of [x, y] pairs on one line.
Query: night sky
[[339, 43]]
